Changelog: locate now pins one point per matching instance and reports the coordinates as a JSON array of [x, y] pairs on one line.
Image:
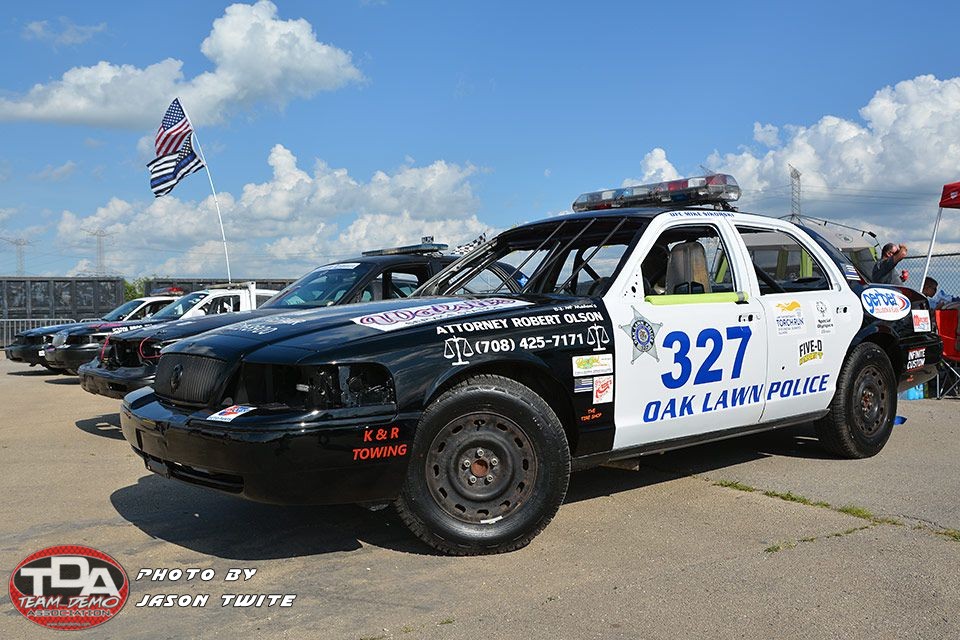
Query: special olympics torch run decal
[[413, 316], [69, 587]]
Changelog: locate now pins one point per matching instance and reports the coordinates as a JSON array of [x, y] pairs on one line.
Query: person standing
[[885, 271]]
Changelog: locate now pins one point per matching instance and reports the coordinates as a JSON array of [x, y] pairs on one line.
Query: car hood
[[89, 328], [178, 329], [313, 331], [51, 329]]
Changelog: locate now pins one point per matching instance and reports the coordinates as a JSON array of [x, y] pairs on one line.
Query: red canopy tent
[[950, 199]]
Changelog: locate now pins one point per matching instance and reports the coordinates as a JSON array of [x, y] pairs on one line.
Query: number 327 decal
[[680, 343]]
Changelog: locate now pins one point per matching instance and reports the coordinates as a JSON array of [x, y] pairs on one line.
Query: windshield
[[180, 306], [122, 311], [321, 287], [578, 257]]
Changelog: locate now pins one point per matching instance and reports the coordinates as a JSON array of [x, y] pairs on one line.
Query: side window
[[224, 304], [782, 263], [687, 260], [487, 281], [399, 282], [154, 307]]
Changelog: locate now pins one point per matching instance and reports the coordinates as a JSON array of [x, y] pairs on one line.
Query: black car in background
[[30, 346], [128, 361]]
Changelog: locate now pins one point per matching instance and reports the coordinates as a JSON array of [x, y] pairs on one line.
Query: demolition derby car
[[129, 361], [31, 346], [76, 345], [641, 322]]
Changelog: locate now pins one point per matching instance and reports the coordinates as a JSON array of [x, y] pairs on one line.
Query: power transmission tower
[[794, 193], [100, 234], [19, 243]]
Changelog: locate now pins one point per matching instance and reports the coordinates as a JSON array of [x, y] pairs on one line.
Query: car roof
[[398, 258]]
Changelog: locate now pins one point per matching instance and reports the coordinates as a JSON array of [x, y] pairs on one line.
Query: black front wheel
[[863, 409], [488, 471]]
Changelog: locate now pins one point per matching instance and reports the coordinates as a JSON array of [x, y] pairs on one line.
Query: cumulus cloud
[[65, 32], [289, 223], [766, 134], [655, 168], [51, 173], [256, 57], [882, 171]]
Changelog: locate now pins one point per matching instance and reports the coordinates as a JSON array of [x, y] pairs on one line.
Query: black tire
[[863, 409], [516, 452]]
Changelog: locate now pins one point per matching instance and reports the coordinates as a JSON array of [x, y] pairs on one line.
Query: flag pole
[[216, 200], [933, 238]]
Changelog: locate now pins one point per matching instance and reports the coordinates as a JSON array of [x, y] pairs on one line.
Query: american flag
[[168, 170], [173, 129]]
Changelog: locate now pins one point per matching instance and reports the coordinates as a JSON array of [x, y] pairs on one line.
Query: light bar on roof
[[717, 188]]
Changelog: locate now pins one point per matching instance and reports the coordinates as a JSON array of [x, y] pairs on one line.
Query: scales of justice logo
[[597, 337], [643, 334], [457, 349]]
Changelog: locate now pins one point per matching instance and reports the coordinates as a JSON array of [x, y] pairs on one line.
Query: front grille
[[188, 379]]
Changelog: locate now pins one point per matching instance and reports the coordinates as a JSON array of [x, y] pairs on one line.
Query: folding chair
[[950, 365]]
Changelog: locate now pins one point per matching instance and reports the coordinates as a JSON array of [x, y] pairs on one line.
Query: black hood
[[334, 328], [178, 329]]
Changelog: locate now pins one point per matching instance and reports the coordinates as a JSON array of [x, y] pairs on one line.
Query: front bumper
[[114, 383], [71, 356], [281, 459], [28, 353]]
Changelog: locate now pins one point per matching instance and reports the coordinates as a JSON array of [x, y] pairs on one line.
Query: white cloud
[[257, 57], [766, 134], [285, 225], [655, 167], [882, 171], [51, 173], [67, 33]]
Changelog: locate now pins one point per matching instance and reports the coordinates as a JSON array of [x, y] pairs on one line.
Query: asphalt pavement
[[759, 537]]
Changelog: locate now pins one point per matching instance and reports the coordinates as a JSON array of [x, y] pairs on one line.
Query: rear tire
[[863, 409], [489, 468]]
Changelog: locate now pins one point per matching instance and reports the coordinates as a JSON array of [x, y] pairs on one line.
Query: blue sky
[[452, 119]]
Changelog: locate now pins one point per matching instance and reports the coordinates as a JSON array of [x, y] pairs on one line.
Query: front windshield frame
[[360, 270], [122, 311], [169, 312], [539, 237]]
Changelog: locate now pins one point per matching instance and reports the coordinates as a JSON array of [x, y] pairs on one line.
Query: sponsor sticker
[[267, 325], [885, 304], [593, 364], [228, 414], [809, 351], [583, 385], [338, 265], [643, 334], [69, 587], [42, 352], [921, 320], [789, 318], [414, 316], [602, 389], [916, 358], [824, 318]]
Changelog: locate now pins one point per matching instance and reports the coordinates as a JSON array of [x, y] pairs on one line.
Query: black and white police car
[[643, 322]]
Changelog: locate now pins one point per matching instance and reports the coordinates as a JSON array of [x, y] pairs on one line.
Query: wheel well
[[546, 386], [889, 345]]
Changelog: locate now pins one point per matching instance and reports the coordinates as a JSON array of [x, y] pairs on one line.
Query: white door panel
[[689, 369], [809, 334]]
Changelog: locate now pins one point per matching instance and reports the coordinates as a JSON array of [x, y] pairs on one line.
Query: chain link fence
[[944, 268]]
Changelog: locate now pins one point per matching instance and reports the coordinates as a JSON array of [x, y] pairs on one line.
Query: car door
[[811, 317], [690, 337]]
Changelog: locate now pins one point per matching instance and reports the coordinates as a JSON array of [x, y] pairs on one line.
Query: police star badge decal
[[643, 334]]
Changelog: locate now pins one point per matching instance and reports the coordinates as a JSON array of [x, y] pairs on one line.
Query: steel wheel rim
[[481, 467], [870, 399]]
